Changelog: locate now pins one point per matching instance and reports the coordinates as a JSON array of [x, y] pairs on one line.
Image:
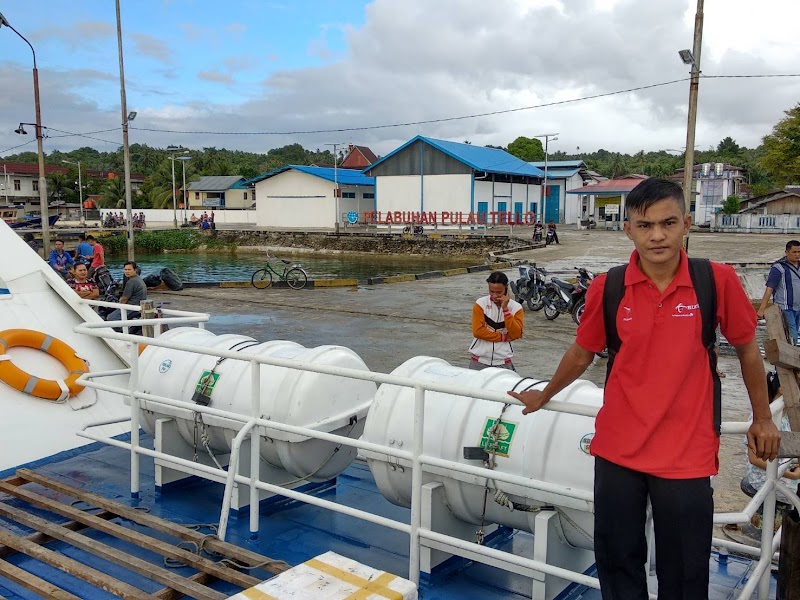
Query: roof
[[215, 183], [559, 164], [359, 156], [560, 171], [611, 187], [23, 168], [343, 176], [488, 160], [760, 201]]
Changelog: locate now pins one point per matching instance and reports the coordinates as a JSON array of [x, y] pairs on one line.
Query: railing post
[[133, 382], [147, 311], [416, 484], [255, 446], [767, 527]]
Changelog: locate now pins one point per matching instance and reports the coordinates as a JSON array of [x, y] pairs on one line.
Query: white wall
[[447, 193], [399, 192], [295, 199]]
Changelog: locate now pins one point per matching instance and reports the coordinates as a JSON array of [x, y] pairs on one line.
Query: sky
[[206, 73]]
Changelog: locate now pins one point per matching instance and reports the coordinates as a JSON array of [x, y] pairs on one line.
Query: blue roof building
[[305, 197], [562, 177], [449, 181]]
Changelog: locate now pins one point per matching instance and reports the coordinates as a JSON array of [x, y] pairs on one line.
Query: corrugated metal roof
[[480, 158], [344, 176], [560, 171], [575, 164], [215, 183], [610, 187]]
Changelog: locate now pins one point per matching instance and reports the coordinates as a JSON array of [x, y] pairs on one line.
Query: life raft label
[[498, 441], [206, 383]]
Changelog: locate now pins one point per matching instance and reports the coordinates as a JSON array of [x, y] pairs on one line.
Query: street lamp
[[174, 149], [80, 187], [692, 58], [547, 137], [183, 160], [45, 209]]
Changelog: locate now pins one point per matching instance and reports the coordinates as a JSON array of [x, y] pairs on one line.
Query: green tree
[[731, 205], [527, 149], [113, 194], [728, 147], [781, 157]]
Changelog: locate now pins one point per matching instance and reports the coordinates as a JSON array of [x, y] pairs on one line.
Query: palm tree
[[113, 194]]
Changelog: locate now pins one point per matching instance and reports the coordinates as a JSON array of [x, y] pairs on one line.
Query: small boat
[[17, 223]]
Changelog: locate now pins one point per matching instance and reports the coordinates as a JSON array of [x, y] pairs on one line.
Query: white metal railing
[[419, 536]]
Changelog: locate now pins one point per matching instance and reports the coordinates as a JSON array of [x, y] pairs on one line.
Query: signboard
[[212, 202], [612, 209], [352, 217], [205, 385], [500, 442]]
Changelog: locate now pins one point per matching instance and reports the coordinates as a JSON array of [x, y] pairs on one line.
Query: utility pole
[[126, 153], [692, 58], [336, 183]]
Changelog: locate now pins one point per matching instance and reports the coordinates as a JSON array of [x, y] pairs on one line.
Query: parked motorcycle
[[563, 297], [415, 229], [529, 288]]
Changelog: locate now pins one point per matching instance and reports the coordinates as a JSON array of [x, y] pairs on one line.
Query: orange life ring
[[48, 389]]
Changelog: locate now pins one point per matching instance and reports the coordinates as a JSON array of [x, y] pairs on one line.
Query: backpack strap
[[706, 291], [613, 293]]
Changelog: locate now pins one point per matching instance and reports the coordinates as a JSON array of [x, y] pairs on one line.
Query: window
[[18, 185], [35, 185], [369, 195], [348, 194], [197, 195], [245, 195]]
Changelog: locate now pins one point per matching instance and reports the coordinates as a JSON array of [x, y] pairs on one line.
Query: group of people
[[551, 231], [205, 221], [114, 219], [138, 220], [89, 252], [657, 432]]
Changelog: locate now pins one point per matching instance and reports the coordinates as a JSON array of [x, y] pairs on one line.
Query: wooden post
[[786, 358], [148, 312]]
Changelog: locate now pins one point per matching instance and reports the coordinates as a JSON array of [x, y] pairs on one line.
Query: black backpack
[[706, 290]]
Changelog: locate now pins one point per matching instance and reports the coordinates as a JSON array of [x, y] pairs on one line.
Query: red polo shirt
[[657, 413]]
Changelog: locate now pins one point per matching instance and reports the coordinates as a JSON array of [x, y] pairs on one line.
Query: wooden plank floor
[[80, 531]]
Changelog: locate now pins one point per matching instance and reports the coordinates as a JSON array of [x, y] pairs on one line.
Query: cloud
[[215, 76], [151, 46], [418, 60], [236, 29], [75, 35]]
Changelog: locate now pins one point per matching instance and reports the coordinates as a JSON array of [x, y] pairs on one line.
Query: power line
[[425, 122], [85, 135], [464, 117], [20, 146]]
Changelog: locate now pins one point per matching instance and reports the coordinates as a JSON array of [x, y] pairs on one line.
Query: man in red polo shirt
[[655, 434]]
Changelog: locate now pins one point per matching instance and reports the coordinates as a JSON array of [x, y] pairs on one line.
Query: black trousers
[[683, 512]]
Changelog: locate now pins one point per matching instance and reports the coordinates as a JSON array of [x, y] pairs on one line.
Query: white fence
[[755, 223], [253, 426], [165, 215]]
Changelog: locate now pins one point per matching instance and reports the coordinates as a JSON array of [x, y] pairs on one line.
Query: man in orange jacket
[[497, 320]]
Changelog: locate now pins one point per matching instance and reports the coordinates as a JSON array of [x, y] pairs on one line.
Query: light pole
[[692, 58], [336, 183], [126, 153], [45, 209], [80, 187], [183, 160], [174, 149], [547, 137]]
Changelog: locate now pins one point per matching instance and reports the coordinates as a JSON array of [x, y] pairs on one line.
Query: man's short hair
[[653, 190], [79, 265], [497, 277], [82, 237], [130, 262], [90, 237], [59, 241], [791, 244]]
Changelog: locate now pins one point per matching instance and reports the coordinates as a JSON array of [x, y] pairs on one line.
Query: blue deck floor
[[290, 531]]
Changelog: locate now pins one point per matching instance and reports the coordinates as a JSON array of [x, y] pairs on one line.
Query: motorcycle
[[551, 237], [415, 229], [563, 297], [537, 233], [529, 288]]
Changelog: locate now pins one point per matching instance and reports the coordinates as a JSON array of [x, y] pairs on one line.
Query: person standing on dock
[[783, 286], [497, 320], [657, 433]]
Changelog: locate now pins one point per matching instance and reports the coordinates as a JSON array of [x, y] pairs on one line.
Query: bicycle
[[295, 277]]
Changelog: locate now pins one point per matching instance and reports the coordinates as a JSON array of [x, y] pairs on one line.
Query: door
[[483, 210], [502, 213], [551, 203], [533, 207], [518, 208]]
